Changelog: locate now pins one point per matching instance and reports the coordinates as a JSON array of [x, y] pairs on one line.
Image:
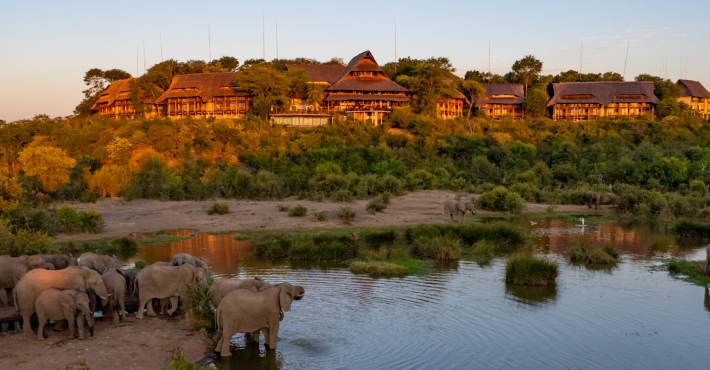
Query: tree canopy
[[526, 70]]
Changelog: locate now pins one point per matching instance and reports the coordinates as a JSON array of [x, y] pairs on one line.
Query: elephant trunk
[[89, 316]]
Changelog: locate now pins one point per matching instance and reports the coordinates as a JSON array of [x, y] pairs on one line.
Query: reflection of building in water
[[560, 235], [222, 252]]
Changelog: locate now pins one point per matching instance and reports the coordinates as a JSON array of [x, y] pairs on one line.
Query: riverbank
[[124, 218], [150, 343]]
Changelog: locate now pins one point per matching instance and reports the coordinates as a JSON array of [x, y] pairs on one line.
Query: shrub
[[320, 215], [375, 206], [298, 211], [529, 270], [502, 200], [421, 179], [283, 207], [24, 242], [378, 268], [390, 184], [218, 209], [346, 215], [690, 228], [343, 195], [444, 248], [69, 220], [91, 221], [591, 255], [124, 248], [483, 251], [140, 264], [198, 306]]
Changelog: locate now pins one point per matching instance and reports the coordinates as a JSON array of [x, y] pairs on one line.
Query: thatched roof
[[501, 94], [202, 85], [692, 88], [319, 72], [603, 92], [119, 90], [350, 81]]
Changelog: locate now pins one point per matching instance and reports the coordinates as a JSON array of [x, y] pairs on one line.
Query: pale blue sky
[[47, 46]]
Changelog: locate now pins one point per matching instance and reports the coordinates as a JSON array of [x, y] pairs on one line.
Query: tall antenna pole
[[395, 45], [581, 52], [626, 59], [209, 40], [263, 39], [161, 48], [143, 55], [489, 57], [277, 40]]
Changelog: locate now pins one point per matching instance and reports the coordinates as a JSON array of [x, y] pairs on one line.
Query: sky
[[46, 47]]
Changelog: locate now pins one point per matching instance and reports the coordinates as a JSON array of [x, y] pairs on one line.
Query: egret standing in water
[[582, 219]]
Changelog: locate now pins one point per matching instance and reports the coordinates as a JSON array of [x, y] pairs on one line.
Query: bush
[[343, 195], [591, 255], [444, 248], [124, 248], [218, 209], [320, 215], [91, 221], [529, 270], [283, 207], [24, 242], [198, 306], [346, 215], [69, 220], [502, 200], [298, 211]]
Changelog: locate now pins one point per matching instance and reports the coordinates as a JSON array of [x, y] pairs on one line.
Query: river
[[464, 316]]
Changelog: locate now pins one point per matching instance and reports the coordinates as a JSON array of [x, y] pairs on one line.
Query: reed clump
[[378, 268], [592, 255], [691, 271], [530, 270]]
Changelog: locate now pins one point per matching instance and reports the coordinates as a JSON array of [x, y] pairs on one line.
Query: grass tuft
[[298, 211], [218, 209], [529, 270], [198, 306], [691, 271], [591, 255], [378, 268]]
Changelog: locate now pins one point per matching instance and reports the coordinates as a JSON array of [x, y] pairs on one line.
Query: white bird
[[582, 219], [532, 223]]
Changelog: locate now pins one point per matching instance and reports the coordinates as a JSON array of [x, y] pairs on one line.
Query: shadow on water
[[536, 296], [249, 355]]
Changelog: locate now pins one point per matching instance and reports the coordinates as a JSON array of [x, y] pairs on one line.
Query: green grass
[[298, 211], [529, 270], [691, 271], [198, 306], [591, 255], [218, 209], [160, 239], [346, 215], [692, 229], [378, 268]]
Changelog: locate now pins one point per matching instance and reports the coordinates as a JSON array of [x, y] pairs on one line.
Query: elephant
[[60, 261], [13, 268], [182, 258], [98, 262], [221, 287], [460, 207], [38, 280], [55, 304], [156, 281], [592, 197], [130, 275], [115, 283], [244, 311]]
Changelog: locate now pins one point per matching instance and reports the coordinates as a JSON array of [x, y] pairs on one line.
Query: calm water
[[464, 316]]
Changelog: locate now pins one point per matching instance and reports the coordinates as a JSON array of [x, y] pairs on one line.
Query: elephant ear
[[285, 298], [67, 300]]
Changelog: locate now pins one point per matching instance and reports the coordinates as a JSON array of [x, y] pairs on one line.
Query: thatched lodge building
[[696, 96], [115, 100], [591, 100], [205, 95], [364, 91], [501, 101]]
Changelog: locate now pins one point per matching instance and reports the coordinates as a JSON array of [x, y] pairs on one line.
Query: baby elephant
[[54, 304]]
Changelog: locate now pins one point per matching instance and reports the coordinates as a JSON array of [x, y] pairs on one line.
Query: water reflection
[[247, 352], [707, 299], [536, 296]]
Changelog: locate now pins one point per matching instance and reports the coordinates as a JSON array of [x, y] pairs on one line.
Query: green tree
[[49, 164], [526, 70], [428, 81], [268, 86], [662, 88], [473, 91], [96, 81], [535, 103]]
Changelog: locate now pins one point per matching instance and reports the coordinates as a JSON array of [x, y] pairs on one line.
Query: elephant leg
[[150, 309], [255, 336], [10, 298], [142, 301], [173, 305], [71, 322], [272, 332], [80, 327], [122, 305], [27, 324], [227, 333], [40, 329]]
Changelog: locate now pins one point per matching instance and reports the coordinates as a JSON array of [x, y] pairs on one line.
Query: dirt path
[[123, 217]]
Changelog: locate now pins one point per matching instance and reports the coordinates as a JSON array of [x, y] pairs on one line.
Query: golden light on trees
[[110, 180], [10, 190], [49, 164]]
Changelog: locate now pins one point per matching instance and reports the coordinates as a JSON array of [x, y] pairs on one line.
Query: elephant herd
[[61, 287]]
